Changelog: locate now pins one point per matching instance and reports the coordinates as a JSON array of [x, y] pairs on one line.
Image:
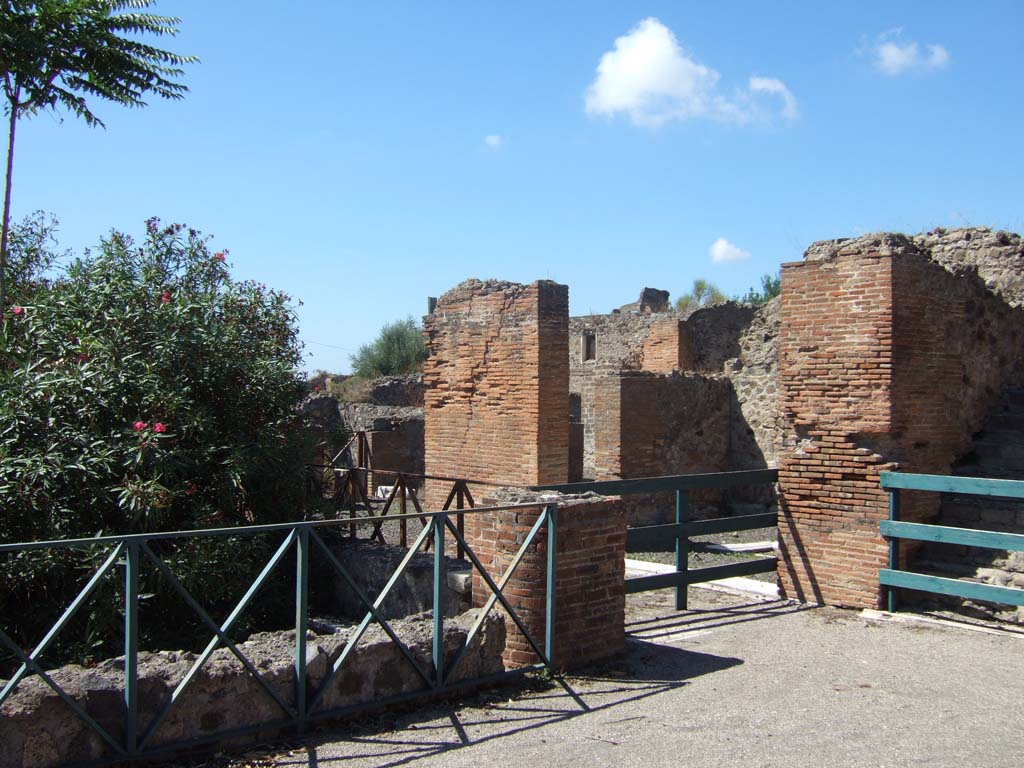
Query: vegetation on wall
[[771, 286], [702, 294]]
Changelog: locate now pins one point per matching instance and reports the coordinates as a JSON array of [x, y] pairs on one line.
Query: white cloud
[[893, 56], [776, 87], [724, 252], [493, 141], [650, 77]]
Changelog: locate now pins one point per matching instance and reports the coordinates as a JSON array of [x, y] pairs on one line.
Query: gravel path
[[735, 681]]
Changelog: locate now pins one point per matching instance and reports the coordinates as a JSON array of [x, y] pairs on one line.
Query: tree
[[702, 294], [771, 286], [56, 53], [398, 349]]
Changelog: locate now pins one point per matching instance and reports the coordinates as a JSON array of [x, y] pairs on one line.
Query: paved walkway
[[739, 681]]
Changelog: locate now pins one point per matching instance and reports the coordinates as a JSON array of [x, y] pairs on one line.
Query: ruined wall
[[738, 340], [661, 425], [996, 257], [497, 384], [590, 596], [619, 339], [712, 334], [666, 349], [654, 425], [886, 361], [404, 391], [756, 423], [38, 729]]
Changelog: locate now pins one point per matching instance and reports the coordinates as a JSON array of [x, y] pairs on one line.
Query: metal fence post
[[440, 579], [131, 646], [459, 523], [552, 566], [301, 620], [894, 545], [682, 545]]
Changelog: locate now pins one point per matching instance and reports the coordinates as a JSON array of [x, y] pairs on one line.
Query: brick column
[[496, 402], [886, 361], [835, 351], [590, 594]]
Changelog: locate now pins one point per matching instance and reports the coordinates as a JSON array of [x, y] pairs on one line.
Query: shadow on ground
[[649, 666], [646, 670], [650, 620]]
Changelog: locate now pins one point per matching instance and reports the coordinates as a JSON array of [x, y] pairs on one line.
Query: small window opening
[[589, 346]]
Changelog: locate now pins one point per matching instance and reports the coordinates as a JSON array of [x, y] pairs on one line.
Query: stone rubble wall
[[996, 257], [38, 730], [713, 334], [756, 423], [400, 391], [371, 564]]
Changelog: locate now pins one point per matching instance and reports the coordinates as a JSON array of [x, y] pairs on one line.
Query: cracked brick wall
[[496, 405]]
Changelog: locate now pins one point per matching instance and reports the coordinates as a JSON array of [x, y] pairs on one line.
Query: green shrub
[[702, 294], [144, 389], [398, 349], [351, 389], [771, 286]]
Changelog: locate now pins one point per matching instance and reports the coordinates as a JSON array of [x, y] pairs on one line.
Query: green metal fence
[[130, 552], [896, 530], [679, 532]]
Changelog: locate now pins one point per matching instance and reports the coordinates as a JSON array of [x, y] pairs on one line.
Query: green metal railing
[[130, 552], [896, 530], [679, 532], [350, 493]]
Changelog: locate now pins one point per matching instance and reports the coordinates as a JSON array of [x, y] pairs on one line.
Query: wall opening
[[589, 345]]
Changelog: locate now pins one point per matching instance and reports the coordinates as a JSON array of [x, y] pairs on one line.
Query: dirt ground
[[735, 681]]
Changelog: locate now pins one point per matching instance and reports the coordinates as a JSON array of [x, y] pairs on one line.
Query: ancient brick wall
[[661, 425], [590, 596], [730, 339], [497, 384], [665, 348], [887, 361]]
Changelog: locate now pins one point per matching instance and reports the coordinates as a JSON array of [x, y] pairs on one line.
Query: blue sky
[[364, 156]]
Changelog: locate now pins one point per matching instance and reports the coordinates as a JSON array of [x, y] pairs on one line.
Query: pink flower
[[219, 256], [316, 387], [190, 489], [165, 297], [138, 426], [159, 427], [17, 311]]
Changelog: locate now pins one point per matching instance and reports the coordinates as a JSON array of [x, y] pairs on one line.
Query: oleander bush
[[142, 388]]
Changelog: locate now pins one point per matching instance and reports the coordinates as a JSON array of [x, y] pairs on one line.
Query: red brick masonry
[[590, 597]]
